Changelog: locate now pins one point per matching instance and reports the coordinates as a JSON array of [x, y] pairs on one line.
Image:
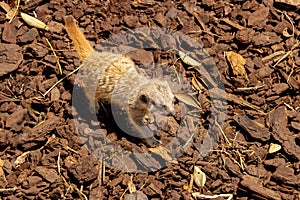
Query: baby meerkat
[[114, 79]]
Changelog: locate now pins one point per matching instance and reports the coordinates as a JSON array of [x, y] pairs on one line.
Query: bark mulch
[[255, 46]]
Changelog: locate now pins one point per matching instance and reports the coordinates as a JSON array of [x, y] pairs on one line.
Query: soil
[[257, 155]]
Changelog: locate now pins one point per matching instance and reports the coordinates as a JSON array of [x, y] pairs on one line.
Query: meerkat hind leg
[[102, 106], [151, 142]]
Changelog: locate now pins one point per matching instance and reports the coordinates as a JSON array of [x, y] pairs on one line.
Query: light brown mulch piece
[[252, 186], [85, 170], [266, 39], [295, 125], [275, 162], [141, 56], [278, 122], [11, 58], [37, 134], [50, 175], [138, 195], [46, 126], [233, 24], [147, 161], [277, 89], [290, 80], [155, 188], [252, 128], [245, 36], [286, 175], [237, 63], [28, 36], [258, 17], [9, 33], [17, 119], [288, 3]]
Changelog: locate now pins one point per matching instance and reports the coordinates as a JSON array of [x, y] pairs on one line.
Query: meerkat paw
[[152, 142]]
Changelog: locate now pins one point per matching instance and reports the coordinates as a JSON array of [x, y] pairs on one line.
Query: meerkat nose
[[172, 110]]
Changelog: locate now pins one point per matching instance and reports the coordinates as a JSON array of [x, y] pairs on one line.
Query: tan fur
[[113, 78], [82, 46]]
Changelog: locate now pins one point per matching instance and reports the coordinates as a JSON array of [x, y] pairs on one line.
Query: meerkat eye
[[144, 98], [165, 107]]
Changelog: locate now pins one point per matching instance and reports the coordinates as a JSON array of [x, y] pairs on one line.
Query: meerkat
[[114, 79]]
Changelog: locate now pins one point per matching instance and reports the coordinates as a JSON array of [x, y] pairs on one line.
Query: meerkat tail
[[81, 44]]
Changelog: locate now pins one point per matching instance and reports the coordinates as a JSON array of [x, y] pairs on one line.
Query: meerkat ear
[[144, 98]]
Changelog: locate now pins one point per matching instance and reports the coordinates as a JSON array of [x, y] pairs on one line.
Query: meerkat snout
[[158, 97], [162, 107]]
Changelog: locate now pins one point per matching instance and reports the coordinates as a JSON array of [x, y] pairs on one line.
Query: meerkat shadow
[[81, 103], [102, 113], [121, 127]]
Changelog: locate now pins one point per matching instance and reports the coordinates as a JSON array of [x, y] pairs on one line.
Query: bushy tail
[[81, 44]]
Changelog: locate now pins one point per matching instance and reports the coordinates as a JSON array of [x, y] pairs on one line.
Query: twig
[[288, 17], [289, 106], [81, 193], [146, 181], [220, 128], [75, 70], [292, 71], [66, 183], [8, 189], [241, 157], [231, 23], [121, 197], [58, 63], [197, 194], [103, 171], [10, 100], [250, 88], [58, 163], [282, 58], [191, 183], [273, 56], [191, 127], [100, 168], [286, 55], [233, 159], [174, 68], [16, 11]]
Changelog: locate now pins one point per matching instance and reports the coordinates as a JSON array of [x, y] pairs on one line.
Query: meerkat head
[[156, 96]]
